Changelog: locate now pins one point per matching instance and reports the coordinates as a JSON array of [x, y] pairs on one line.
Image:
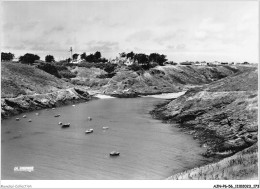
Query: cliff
[[222, 115]]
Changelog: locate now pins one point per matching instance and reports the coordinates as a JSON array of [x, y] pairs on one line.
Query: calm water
[[148, 148]]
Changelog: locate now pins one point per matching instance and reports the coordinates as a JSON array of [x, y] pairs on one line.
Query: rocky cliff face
[[25, 103], [222, 115], [25, 88]]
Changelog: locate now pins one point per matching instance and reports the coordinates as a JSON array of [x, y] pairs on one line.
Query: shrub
[[135, 67], [61, 67], [108, 67], [67, 74], [49, 68]]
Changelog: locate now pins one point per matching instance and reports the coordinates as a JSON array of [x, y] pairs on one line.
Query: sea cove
[[148, 148]]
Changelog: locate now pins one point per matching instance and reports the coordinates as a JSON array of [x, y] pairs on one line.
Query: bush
[[61, 67], [49, 68], [108, 67], [135, 67], [67, 74]]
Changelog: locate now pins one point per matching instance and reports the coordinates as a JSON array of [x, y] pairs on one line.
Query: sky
[[182, 30]]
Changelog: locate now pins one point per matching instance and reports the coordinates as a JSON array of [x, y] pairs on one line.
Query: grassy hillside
[[164, 79], [241, 166], [20, 79]]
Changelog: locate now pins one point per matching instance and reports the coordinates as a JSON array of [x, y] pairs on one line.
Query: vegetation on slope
[[163, 79], [22, 79], [242, 165]]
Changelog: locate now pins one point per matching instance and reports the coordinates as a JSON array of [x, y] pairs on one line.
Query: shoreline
[[28, 103], [220, 158]]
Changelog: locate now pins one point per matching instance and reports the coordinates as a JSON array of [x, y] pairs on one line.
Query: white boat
[[89, 131], [60, 123], [105, 128], [29, 120], [24, 116], [114, 153], [17, 119], [65, 125]]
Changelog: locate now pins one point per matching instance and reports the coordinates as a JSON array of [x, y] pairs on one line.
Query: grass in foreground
[[241, 166]]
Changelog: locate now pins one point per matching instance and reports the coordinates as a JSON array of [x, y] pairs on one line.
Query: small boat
[[105, 128], [58, 115], [60, 123], [89, 118], [17, 119], [89, 131], [114, 153], [24, 116], [29, 120], [37, 114], [73, 105], [53, 108], [65, 125]]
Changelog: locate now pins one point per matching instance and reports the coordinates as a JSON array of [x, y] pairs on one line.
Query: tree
[[155, 57], [97, 55], [141, 58], [75, 56], [161, 59], [123, 54], [49, 58], [130, 55], [29, 58], [6, 56], [68, 60], [103, 60], [91, 58], [83, 56]]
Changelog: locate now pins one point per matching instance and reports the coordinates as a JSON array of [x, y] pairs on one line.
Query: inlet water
[[148, 148]]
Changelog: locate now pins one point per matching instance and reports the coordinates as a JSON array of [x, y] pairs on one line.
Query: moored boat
[[65, 125], [89, 131], [114, 153]]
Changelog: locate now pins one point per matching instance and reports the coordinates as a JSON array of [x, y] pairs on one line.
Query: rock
[[14, 106]]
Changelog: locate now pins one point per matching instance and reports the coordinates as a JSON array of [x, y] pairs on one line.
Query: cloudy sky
[[183, 30]]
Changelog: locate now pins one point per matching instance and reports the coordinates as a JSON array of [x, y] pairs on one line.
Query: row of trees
[[27, 58], [96, 57], [145, 59]]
